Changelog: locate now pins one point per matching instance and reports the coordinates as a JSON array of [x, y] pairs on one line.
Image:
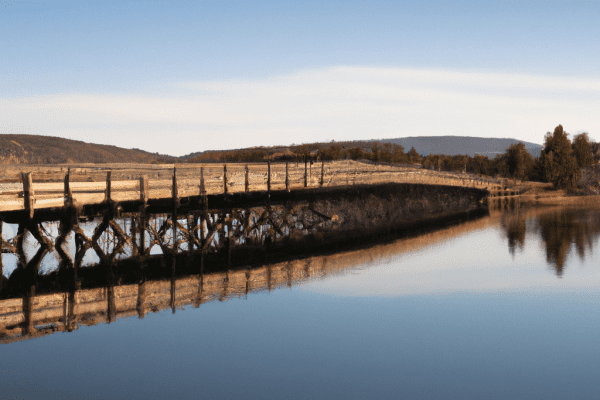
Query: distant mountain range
[[455, 145], [35, 149]]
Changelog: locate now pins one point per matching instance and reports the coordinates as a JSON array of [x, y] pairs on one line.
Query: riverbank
[[538, 193]]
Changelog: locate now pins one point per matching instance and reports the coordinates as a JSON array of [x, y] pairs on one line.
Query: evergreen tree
[[558, 161], [519, 161], [413, 156], [583, 150]]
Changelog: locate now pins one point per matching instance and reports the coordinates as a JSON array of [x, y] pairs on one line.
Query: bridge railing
[[97, 184]]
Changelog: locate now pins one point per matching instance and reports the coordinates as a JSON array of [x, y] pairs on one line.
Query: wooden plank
[[305, 171], [246, 180], [107, 196], [287, 176], [67, 192], [174, 194], [144, 189], [28, 193], [269, 177], [322, 173]]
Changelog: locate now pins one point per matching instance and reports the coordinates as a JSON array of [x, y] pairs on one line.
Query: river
[[503, 307]]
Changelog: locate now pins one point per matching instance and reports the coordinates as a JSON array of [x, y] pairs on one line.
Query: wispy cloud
[[314, 105]]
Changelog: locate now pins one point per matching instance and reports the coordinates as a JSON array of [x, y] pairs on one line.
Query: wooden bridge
[[58, 186]]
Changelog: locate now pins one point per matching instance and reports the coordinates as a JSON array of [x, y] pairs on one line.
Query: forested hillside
[[34, 149]]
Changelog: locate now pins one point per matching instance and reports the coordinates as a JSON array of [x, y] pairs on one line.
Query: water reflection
[[466, 257], [562, 231]]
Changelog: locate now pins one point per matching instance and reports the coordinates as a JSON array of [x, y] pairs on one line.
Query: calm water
[[503, 307]]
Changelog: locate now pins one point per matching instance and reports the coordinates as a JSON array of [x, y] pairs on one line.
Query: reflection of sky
[[478, 261]]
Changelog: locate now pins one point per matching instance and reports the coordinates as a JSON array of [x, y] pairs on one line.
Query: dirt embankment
[[586, 193]]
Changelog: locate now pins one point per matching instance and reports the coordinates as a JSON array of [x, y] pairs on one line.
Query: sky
[[177, 77]]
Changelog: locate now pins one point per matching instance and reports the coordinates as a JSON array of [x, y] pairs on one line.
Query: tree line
[[559, 162]]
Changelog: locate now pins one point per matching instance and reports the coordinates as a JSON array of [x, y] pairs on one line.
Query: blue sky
[[177, 77]]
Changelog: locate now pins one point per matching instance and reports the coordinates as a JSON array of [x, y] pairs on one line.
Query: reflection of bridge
[[33, 315]]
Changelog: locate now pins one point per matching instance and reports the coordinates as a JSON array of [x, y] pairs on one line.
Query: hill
[[34, 149], [463, 145], [424, 145]]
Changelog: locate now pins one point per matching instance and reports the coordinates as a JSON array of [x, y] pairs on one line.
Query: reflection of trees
[[559, 230], [514, 226]]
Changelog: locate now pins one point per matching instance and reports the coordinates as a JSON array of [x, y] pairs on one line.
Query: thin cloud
[[341, 103]]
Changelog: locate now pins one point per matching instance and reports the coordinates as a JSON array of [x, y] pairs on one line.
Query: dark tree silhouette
[[583, 150], [519, 161], [558, 161], [413, 156]]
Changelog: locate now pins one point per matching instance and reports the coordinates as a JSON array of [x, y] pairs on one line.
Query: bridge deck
[[95, 185]]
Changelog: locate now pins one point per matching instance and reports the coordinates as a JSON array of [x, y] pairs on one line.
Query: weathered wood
[[202, 187], [225, 178], [141, 305], [305, 171], [144, 190], [142, 229], [28, 193], [322, 173], [174, 193], [90, 192], [107, 196], [67, 193], [287, 177], [174, 214], [269, 177], [111, 308], [247, 179], [133, 235], [202, 231]]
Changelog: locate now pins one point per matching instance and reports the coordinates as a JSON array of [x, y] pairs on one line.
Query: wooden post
[[174, 215], [111, 306], [305, 171], [269, 177], [28, 310], [322, 173], [141, 305], [133, 234], [202, 188], [28, 193], [142, 228], [107, 196], [68, 193], [287, 177], [144, 190], [174, 193], [202, 231], [247, 180], [225, 178], [229, 226]]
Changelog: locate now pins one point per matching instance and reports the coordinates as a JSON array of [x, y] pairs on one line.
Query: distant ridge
[[424, 145], [35, 149], [464, 145]]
